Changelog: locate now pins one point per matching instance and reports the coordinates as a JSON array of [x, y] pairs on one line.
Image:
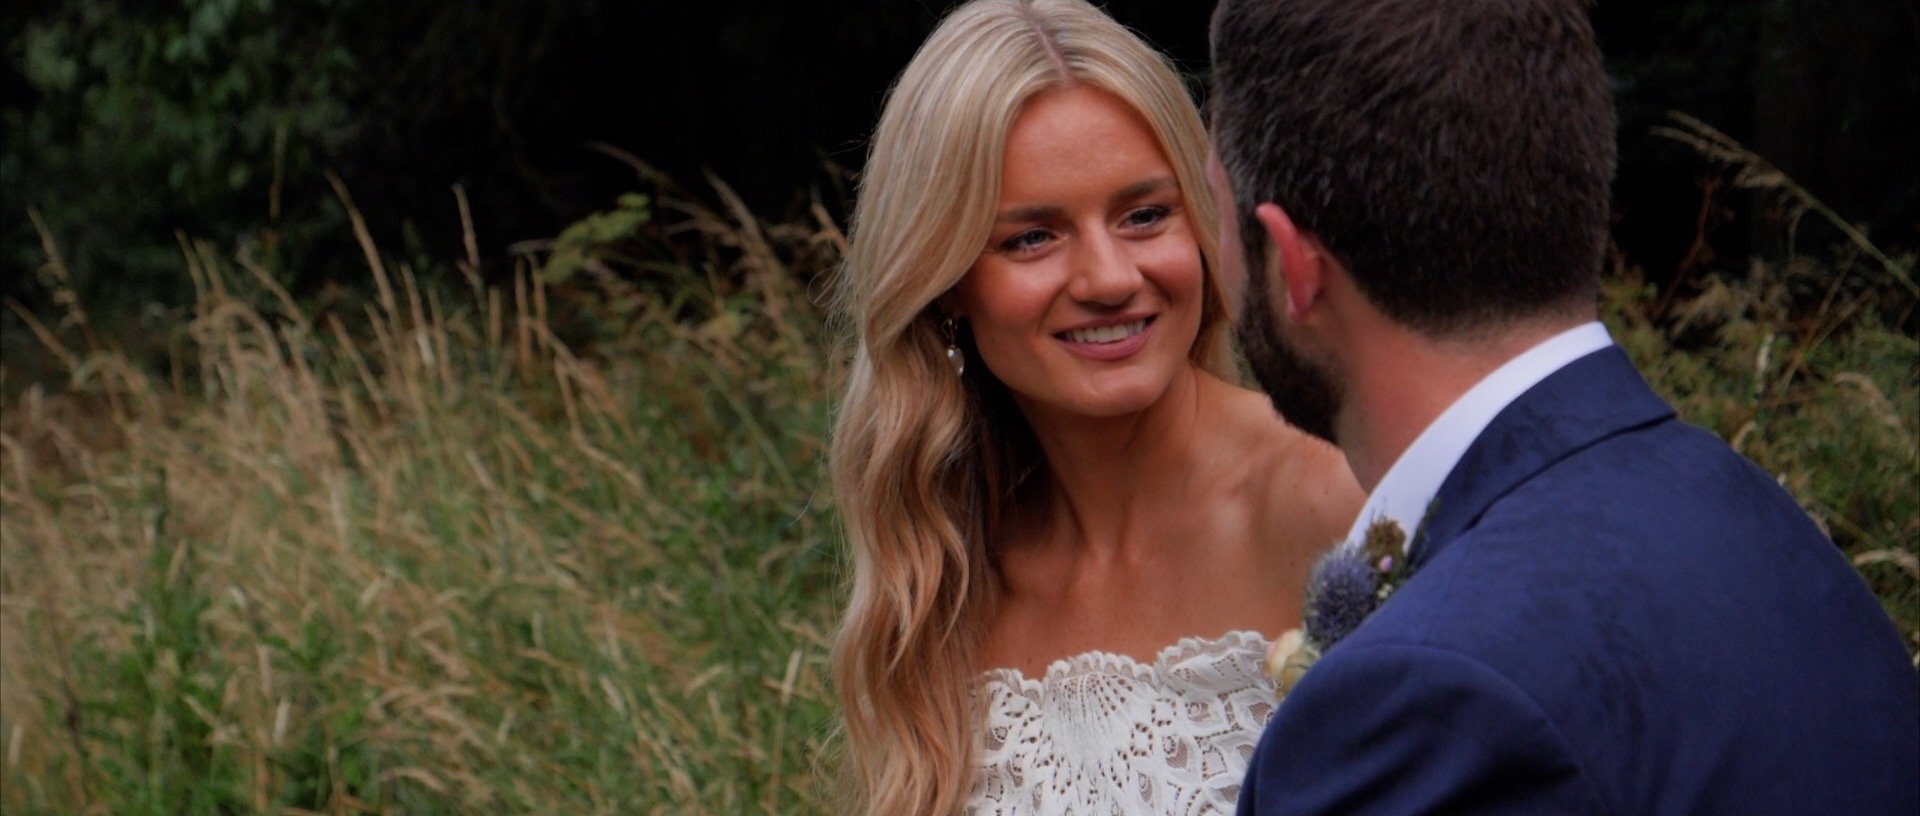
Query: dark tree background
[[125, 122]]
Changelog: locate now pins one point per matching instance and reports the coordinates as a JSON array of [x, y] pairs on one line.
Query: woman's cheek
[[1175, 265]]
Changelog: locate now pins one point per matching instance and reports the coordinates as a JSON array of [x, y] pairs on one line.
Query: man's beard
[[1302, 391]]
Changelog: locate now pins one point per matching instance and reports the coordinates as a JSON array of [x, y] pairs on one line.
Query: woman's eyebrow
[[1039, 212], [1144, 188], [1047, 212]]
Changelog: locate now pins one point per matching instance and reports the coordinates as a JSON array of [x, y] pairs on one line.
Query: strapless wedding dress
[[1106, 735]]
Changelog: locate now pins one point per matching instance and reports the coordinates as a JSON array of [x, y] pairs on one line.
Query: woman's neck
[[1108, 476]]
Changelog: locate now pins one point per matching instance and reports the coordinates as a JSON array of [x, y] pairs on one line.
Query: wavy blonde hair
[[926, 464]]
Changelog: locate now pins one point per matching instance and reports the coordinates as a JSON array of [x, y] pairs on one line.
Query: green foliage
[[596, 239], [159, 695], [194, 115]]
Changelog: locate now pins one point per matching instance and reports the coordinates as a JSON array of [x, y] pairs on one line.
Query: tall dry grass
[[426, 558]]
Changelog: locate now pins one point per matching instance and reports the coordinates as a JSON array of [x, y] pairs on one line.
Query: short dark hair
[[1453, 156]]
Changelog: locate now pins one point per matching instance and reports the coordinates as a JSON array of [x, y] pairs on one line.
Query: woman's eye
[[1146, 216], [1031, 239]]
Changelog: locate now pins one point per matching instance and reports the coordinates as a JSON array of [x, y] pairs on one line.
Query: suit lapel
[[1591, 399]]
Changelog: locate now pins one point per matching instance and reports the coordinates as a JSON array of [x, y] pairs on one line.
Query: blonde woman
[[1072, 533]]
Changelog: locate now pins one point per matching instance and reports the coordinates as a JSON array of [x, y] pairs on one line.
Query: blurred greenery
[[147, 119]]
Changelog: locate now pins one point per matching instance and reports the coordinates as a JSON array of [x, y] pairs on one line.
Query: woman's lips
[[1107, 343]]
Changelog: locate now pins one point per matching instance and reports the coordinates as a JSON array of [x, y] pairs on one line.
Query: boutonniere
[[1347, 585]]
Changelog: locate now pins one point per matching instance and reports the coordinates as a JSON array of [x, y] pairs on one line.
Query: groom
[[1612, 612]]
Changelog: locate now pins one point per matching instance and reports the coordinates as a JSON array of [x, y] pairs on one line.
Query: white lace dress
[[1104, 735]]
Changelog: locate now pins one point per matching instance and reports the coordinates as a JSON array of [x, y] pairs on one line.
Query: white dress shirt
[[1402, 496]]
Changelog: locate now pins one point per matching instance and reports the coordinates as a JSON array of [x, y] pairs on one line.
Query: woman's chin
[[1114, 395]]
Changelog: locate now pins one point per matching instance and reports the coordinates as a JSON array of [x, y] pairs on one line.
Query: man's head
[[1452, 159]]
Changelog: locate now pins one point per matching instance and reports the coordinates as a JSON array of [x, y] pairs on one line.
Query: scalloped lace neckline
[[1100, 661], [1107, 733]]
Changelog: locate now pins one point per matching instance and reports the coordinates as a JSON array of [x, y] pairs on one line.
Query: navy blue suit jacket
[[1614, 613]]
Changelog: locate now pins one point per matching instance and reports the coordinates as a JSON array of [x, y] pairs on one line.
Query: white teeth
[[1107, 334]]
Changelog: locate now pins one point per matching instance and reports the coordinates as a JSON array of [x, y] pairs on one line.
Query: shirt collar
[[1403, 494]]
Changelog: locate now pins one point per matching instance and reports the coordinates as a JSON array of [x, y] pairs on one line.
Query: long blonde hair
[[924, 463]]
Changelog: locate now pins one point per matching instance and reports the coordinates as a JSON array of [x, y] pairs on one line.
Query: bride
[[1072, 532]]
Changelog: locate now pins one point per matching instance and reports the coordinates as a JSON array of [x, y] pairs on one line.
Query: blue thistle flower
[[1343, 591]]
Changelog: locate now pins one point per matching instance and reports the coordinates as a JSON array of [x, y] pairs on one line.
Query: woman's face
[[1086, 300]]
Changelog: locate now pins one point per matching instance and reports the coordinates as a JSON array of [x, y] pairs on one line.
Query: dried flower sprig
[[1348, 584]]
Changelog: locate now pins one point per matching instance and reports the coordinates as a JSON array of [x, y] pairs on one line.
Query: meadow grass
[[427, 557]]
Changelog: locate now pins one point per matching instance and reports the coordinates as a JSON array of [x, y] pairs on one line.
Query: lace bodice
[[1102, 734]]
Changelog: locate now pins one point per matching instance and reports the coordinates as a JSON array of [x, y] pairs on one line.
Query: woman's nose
[[1102, 273]]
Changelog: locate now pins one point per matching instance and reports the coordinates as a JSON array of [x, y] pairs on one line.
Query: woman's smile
[[1107, 340]]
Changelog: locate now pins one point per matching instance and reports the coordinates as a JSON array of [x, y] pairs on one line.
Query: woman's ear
[[1295, 261]]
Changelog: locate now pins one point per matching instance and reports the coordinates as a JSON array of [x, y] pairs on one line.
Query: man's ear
[[1297, 260]]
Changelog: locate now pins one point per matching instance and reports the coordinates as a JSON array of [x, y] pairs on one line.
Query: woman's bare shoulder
[[1303, 482], [1318, 486]]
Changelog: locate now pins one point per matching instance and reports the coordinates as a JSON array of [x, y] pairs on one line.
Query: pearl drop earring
[[950, 330]]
